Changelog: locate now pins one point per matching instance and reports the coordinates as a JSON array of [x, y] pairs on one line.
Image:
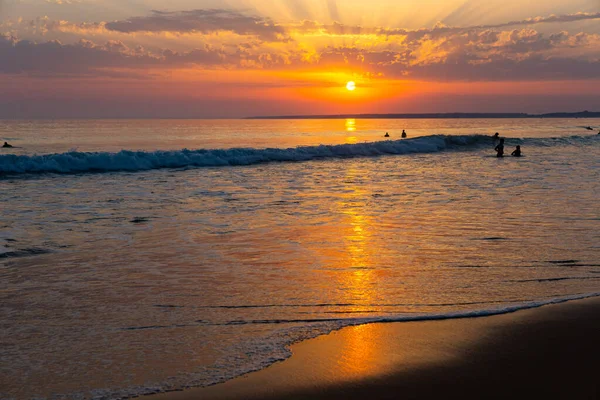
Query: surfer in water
[[6, 145], [386, 135], [403, 133], [500, 149], [517, 152]]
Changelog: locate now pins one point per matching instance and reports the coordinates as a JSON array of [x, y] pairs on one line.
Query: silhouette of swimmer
[[386, 135], [589, 128], [403, 133], [500, 149], [496, 136], [517, 152], [6, 145]]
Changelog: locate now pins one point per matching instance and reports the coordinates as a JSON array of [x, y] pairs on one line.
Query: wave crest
[[127, 160]]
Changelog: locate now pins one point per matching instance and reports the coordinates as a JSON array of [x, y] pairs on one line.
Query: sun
[[351, 86]]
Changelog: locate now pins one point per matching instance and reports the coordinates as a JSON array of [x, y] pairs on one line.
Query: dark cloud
[[87, 58], [205, 56], [332, 57], [17, 56], [201, 21]]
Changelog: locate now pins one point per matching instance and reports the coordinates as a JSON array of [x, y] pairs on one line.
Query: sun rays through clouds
[[302, 50]]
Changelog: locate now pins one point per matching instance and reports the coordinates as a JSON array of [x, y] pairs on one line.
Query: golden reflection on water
[[350, 124], [356, 276], [351, 127]]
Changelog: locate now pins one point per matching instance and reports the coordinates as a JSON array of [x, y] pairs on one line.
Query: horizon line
[[451, 115], [448, 115]]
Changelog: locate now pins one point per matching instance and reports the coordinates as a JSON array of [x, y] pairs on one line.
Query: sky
[[239, 58]]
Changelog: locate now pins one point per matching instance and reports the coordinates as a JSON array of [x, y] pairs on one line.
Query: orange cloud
[[226, 55]]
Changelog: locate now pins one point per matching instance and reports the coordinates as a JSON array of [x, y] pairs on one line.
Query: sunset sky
[[237, 58]]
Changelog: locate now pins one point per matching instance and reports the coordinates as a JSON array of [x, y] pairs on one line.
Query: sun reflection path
[[350, 124], [351, 127], [357, 276]]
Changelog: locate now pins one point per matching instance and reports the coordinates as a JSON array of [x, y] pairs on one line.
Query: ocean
[[140, 256]]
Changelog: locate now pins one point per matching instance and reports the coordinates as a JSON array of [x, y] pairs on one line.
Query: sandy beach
[[549, 352]]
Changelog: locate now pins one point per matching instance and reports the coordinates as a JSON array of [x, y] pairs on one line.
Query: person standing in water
[[500, 149], [403, 133], [496, 138], [517, 152], [386, 135]]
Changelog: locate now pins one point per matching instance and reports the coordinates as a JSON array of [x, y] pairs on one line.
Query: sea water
[[144, 256]]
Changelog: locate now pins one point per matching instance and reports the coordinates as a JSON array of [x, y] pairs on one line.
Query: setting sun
[[351, 85]]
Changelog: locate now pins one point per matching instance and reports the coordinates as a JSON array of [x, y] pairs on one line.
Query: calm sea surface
[[149, 255]]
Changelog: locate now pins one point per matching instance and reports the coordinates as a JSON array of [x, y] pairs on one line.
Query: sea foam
[[127, 160]]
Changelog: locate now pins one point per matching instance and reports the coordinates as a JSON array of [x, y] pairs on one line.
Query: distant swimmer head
[[6, 145], [387, 134]]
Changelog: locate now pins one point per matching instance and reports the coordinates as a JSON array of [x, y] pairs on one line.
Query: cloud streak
[[547, 20], [200, 21], [337, 28]]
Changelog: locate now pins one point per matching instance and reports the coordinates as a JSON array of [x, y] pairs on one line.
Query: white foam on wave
[[260, 353], [125, 160]]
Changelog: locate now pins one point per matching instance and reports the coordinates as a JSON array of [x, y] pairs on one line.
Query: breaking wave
[[127, 160]]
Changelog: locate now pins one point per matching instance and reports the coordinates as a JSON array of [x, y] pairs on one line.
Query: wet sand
[[550, 352]]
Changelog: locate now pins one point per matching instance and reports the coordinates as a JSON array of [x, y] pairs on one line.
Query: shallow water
[[122, 283]]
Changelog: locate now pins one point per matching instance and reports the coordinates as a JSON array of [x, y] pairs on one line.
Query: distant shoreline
[[582, 114]]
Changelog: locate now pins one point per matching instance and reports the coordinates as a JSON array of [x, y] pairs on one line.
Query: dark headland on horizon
[[581, 114]]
